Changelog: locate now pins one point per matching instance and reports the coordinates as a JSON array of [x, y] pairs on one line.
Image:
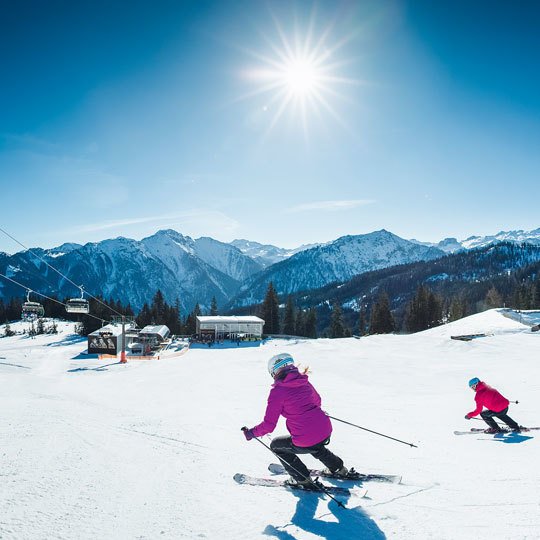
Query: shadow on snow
[[68, 340], [97, 368], [511, 438], [351, 522]]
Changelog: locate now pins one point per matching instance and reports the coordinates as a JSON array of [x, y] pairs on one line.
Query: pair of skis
[[316, 486], [479, 431]]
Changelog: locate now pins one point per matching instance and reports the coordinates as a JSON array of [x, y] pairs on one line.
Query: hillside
[[95, 449]]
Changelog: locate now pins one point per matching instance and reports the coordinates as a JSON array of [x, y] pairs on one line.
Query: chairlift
[[78, 305], [31, 310]]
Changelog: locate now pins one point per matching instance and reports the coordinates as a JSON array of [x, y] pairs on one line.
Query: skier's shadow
[[512, 438], [351, 522]]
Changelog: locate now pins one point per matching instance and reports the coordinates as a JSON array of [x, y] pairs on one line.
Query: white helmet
[[278, 362]]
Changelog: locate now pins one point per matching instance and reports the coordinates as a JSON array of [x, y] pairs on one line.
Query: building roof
[[216, 319], [108, 328], [155, 330]]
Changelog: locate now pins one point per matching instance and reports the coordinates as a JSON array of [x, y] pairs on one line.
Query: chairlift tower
[[123, 320]]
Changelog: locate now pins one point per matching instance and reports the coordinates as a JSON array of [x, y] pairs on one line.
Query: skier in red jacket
[[496, 406]]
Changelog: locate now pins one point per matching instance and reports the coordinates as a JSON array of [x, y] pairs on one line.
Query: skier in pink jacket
[[496, 406], [293, 397]]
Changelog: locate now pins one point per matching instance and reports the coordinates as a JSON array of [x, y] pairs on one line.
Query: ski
[[479, 431], [272, 482], [277, 468]]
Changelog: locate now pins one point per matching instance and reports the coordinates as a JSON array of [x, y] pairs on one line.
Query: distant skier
[[496, 406], [293, 397]]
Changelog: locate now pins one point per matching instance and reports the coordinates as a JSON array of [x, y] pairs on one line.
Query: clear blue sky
[[121, 118]]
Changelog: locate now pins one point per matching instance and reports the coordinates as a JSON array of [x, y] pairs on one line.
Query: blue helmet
[[474, 381]]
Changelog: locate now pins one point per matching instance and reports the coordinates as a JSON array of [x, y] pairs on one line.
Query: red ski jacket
[[489, 398]]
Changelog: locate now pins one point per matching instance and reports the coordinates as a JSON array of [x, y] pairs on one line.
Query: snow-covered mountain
[[336, 261], [451, 245], [267, 254], [227, 258], [132, 271]]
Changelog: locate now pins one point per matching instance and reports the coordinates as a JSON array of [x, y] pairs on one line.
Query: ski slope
[[93, 449]]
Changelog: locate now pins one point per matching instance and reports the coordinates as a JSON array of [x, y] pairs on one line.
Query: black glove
[[248, 433]]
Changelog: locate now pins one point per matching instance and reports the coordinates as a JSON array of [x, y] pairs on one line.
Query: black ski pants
[[287, 452], [488, 415]]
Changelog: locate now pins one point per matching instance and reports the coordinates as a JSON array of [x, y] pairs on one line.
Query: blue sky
[[121, 118]]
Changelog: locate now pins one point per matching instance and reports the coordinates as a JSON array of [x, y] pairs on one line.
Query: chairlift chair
[[31, 310], [78, 305]]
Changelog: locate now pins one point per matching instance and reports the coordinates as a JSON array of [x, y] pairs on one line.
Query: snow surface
[[96, 449]]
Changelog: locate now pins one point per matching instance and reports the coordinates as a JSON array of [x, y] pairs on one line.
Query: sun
[[300, 75]]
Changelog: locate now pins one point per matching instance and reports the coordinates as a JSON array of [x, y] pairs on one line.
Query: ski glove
[[248, 433], [467, 417]]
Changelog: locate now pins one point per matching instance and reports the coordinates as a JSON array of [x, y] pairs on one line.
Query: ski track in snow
[[147, 450]]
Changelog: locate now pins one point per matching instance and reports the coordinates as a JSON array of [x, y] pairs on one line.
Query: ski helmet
[[474, 381], [278, 362]]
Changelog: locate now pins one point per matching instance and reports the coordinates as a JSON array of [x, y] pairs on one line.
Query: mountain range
[[235, 273]]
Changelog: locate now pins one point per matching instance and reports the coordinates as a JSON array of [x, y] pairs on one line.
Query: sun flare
[[300, 75]]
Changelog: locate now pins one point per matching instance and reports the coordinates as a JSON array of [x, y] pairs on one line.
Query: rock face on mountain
[[236, 273], [336, 261], [132, 271]]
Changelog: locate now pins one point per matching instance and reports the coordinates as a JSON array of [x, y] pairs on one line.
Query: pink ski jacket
[[489, 398], [294, 398]]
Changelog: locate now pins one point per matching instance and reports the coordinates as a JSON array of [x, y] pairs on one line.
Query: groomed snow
[[92, 449]]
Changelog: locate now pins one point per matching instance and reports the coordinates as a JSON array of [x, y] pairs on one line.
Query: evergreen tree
[[213, 307], [493, 298], [457, 310], [362, 321], [435, 314], [289, 319], [536, 300], [191, 320], [158, 308], [40, 329], [382, 321], [144, 317], [311, 324], [300, 325], [337, 329], [270, 311]]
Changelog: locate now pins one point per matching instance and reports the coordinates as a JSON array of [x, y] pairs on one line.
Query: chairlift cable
[[45, 296], [59, 273]]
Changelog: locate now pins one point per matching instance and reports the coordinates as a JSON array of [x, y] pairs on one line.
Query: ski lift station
[[229, 327], [108, 340]]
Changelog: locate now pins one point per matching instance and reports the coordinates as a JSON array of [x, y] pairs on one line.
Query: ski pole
[[319, 487], [371, 431]]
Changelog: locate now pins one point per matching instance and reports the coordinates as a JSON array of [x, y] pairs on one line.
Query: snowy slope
[[93, 449]]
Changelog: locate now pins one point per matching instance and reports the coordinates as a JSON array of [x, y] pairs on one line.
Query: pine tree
[[40, 329], [493, 298], [457, 310], [362, 324], [337, 330], [158, 308], [213, 307], [536, 301], [289, 319], [311, 324], [300, 325], [382, 321], [270, 311]]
